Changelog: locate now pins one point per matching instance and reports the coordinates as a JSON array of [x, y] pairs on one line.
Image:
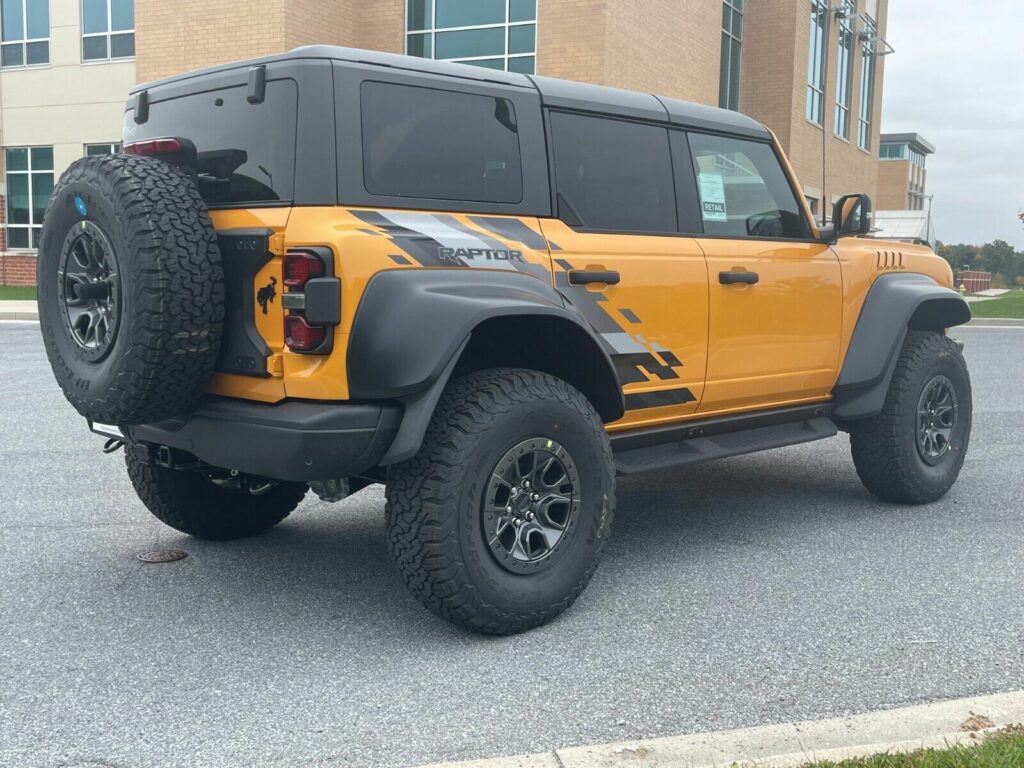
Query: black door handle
[[732, 278], [585, 276]]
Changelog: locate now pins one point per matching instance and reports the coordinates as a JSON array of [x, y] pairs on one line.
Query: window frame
[[846, 44], [791, 182], [108, 34], [432, 31], [114, 147], [817, 51], [28, 173], [731, 41], [868, 72], [25, 40]]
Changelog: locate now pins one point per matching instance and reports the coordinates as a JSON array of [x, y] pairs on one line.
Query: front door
[[775, 293], [618, 258]]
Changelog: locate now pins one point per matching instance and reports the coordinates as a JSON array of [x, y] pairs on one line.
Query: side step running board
[[633, 461]]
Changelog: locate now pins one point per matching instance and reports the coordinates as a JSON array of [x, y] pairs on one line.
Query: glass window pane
[[465, 13], [737, 25], [42, 158], [615, 175], [726, 18], [37, 235], [17, 237], [38, 18], [12, 55], [17, 198], [16, 159], [445, 145], [94, 47], [13, 20], [526, 65], [471, 42], [420, 45], [522, 10], [522, 39], [421, 14], [486, 63], [122, 46], [38, 53], [94, 16], [743, 190], [122, 14], [42, 188]]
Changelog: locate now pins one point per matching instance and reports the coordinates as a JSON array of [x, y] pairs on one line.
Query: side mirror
[[851, 215]]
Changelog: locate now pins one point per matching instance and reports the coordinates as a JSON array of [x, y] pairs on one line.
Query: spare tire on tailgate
[[131, 289]]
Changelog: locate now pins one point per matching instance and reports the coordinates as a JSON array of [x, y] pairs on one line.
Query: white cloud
[[957, 78]]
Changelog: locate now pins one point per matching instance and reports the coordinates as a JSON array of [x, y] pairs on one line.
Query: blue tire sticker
[[80, 205]]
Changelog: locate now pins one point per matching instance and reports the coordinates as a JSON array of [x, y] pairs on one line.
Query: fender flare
[[895, 304], [411, 327]]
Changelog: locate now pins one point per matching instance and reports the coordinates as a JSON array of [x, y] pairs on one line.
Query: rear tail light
[[300, 336], [300, 267], [151, 147], [313, 300]]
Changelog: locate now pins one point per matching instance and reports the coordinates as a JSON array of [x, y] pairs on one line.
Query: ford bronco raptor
[[491, 292]]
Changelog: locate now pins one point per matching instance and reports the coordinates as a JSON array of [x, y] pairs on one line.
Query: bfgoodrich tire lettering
[[890, 459], [190, 502], [434, 501], [167, 279]]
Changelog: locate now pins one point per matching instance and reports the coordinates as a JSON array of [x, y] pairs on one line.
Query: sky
[[957, 78]]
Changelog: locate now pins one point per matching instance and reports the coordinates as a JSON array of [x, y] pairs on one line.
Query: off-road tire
[[189, 502], [434, 501], [884, 447], [171, 289]]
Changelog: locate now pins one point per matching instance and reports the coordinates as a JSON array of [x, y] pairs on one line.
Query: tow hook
[[331, 490]]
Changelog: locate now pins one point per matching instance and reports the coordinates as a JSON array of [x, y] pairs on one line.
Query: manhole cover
[[161, 555]]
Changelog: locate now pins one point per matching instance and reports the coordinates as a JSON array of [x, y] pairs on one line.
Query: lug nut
[[529, 515], [508, 509], [535, 496], [526, 483]]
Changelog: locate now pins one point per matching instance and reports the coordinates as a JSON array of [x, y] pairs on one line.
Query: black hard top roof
[[555, 93]]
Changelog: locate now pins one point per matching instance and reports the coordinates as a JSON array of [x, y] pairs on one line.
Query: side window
[[442, 145], [612, 174], [743, 190]]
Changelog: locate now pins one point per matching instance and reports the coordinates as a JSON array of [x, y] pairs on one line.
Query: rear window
[[440, 145], [245, 153]]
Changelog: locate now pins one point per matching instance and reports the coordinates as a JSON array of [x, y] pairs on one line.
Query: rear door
[[619, 259], [775, 293]]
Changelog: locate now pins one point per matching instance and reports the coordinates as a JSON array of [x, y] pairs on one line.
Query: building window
[[893, 152], [108, 29], [844, 68], [26, 32], [498, 34], [816, 63], [102, 149], [29, 185], [732, 46], [867, 85]]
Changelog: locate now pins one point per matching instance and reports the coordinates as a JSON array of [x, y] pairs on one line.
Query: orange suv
[[491, 292]]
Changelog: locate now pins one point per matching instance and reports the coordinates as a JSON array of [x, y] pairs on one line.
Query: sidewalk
[[792, 744], [18, 310]]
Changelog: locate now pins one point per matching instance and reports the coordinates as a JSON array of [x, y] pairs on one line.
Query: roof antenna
[[827, 45]]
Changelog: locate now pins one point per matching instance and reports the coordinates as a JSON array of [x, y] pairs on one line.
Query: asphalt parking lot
[[758, 589]]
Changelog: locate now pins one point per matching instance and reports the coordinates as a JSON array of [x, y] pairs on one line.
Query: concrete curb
[[792, 744], [1002, 321], [18, 309], [26, 316]]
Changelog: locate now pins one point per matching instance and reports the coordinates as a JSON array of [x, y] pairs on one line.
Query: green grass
[[1007, 305], [26, 292], [1004, 749]]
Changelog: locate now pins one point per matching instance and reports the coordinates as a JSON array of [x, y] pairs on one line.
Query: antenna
[[827, 45]]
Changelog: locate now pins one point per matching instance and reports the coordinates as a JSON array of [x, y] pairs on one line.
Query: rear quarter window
[[442, 145], [245, 153]]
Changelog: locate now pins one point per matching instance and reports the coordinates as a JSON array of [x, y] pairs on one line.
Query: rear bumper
[[292, 440]]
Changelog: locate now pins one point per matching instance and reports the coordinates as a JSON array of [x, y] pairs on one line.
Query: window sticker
[[712, 197]]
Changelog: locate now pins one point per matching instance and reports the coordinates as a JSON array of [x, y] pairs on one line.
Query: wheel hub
[[89, 286], [936, 417], [530, 505]]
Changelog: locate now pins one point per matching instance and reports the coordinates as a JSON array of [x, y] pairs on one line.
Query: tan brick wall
[[380, 25], [17, 268], [893, 183], [571, 39]]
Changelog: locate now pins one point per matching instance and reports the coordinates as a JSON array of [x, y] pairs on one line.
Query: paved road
[[755, 590]]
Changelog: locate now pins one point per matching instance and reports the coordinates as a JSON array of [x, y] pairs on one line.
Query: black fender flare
[[895, 304], [411, 327]]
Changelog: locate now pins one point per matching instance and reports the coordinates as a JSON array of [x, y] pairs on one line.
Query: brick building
[[902, 178], [811, 70]]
